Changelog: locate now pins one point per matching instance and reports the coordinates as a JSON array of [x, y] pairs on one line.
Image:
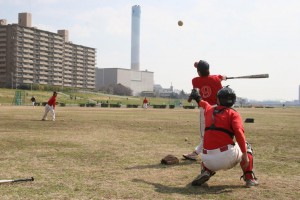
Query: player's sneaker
[[250, 180], [191, 156], [202, 178]]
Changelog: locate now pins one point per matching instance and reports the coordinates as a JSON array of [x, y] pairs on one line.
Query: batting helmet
[[202, 65], [226, 96]]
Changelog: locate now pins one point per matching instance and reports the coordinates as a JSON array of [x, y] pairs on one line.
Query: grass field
[[7, 97], [115, 153]]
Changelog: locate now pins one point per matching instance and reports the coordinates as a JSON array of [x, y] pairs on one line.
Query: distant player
[[32, 101], [145, 103], [50, 107]]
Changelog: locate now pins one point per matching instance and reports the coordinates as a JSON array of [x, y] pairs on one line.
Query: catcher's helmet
[[226, 96]]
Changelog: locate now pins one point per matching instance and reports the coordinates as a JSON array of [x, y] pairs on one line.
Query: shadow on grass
[[189, 189], [161, 166]]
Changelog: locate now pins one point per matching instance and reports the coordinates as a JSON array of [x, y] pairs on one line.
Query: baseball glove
[[169, 160], [195, 95]]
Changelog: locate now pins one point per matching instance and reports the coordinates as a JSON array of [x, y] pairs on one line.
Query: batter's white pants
[[199, 148], [51, 110], [216, 160]]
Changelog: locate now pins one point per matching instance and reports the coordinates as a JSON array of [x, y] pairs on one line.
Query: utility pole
[[12, 80]]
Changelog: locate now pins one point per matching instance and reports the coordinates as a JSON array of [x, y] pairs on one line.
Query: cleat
[[250, 182], [202, 178], [191, 156]]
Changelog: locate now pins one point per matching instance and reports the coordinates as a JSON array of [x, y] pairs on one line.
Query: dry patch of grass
[[98, 153]]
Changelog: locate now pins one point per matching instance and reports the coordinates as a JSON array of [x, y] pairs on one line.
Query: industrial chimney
[[135, 37]]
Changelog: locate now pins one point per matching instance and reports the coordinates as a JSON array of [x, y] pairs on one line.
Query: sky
[[236, 37]]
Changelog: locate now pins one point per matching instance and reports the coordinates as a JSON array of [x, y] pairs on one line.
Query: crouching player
[[220, 152]]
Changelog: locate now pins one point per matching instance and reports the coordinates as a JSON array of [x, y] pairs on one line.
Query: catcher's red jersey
[[227, 119]]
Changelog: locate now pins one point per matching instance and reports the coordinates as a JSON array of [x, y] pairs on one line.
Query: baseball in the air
[[180, 23]]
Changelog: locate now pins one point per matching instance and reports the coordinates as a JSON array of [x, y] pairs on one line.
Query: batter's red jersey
[[52, 101], [227, 119], [208, 87]]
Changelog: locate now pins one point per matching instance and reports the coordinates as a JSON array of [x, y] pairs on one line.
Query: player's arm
[[237, 125], [222, 77]]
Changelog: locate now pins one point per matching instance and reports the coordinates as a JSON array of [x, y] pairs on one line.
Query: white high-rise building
[[29, 55]]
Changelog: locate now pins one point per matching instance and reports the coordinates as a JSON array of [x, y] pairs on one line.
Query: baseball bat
[[17, 180], [251, 76]]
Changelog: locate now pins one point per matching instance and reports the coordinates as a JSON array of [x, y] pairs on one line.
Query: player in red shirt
[[50, 107], [222, 125], [208, 86], [145, 103]]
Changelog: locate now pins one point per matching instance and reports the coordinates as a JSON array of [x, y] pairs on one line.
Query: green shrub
[[171, 106], [90, 105], [82, 104], [62, 104], [44, 103], [132, 106], [104, 105], [159, 106], [115, 105]]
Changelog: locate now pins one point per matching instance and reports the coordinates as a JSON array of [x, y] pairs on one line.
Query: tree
[[242, 101], [117, 89], [182, 95]]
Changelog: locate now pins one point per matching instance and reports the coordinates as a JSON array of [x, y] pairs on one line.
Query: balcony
[[67, 80], [27, 76]]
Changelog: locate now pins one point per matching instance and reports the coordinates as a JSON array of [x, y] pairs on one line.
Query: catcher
[[223, 124]]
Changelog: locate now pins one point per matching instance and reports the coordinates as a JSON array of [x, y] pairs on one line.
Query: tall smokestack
[[135, 37]]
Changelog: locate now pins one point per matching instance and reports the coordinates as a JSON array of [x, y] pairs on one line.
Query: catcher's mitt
[[169, 160], [194, 95]]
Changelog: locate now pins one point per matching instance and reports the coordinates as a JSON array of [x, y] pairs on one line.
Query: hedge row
[[132, 106]]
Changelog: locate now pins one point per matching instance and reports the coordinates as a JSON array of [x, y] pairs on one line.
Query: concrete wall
[[137, 81]]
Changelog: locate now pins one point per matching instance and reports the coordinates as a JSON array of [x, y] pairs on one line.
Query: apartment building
[[32, 56]]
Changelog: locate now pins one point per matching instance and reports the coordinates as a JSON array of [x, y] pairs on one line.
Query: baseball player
[[50, 107], [145, 103], [32, 101], [222, 125], [208, 86]]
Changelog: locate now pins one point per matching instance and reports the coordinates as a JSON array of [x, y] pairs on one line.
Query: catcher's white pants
[[145, 105], [199, 148], [216, 160], [50, 109]]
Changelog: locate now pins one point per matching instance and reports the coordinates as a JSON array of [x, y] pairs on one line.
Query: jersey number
[[206, 91]]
